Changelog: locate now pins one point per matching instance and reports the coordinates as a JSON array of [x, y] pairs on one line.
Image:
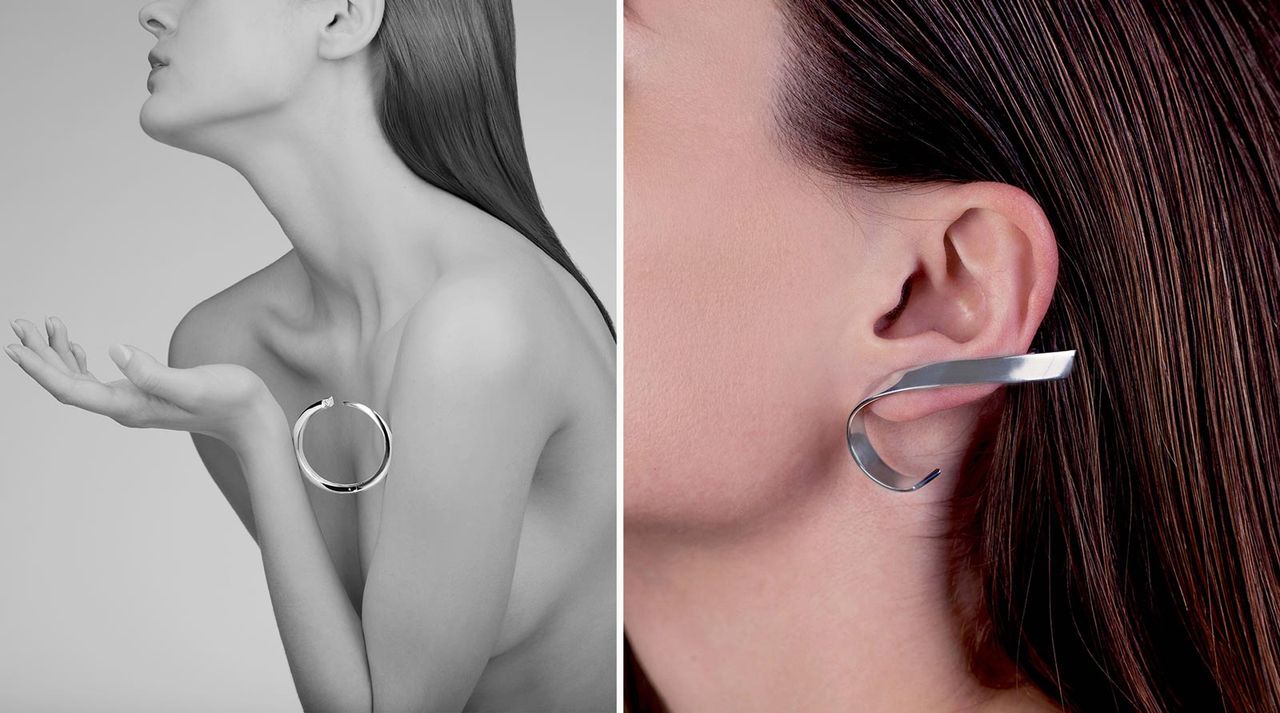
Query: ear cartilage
[[1011, 369]]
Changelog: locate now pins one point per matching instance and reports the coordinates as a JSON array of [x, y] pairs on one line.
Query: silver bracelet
[[300, 426]]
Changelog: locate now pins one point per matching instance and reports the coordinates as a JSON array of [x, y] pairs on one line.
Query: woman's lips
[[151, 78]]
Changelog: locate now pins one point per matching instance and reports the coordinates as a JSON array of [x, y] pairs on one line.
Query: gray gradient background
[[129, 583]]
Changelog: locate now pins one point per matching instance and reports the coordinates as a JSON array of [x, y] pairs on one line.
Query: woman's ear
[[349, 26], [967, 272]]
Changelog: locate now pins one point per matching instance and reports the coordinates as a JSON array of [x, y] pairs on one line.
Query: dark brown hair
[[1123, 526], [448, 106]]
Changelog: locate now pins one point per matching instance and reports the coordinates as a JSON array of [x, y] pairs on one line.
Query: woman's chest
[[343, 445]]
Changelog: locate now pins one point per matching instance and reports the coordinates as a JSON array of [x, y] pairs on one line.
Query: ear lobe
[[350, 27], [985, 266]]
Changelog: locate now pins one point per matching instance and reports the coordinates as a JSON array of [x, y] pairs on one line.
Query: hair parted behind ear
[[1122, 524], [448, 105]]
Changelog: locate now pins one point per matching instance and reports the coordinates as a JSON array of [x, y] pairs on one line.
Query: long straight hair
[[448, 106], [1124, 525]]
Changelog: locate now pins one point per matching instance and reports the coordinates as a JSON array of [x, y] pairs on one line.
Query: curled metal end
[[326, 402], [1011, 369]]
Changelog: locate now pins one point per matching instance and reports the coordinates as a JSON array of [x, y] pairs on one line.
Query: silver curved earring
[[300, 426], [1012, 369]]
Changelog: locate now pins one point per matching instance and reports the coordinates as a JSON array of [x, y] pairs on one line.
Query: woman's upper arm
[[191, 345], [473, 400], [224, 467]]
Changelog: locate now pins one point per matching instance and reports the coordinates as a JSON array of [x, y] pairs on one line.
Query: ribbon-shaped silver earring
[[1012, 369]]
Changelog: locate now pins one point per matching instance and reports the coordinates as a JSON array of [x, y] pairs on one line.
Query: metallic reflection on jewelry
[[1012, 369], [301, 424]]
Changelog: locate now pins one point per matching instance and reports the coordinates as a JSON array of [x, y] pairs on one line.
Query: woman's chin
[[156, 124]]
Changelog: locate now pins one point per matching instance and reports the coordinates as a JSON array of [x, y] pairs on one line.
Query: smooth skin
[[479, 574], [762, 570]]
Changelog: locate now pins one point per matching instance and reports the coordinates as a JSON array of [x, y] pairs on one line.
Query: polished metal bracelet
[[300, 426]]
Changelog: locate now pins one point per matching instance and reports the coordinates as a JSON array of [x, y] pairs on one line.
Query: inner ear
[[944, 298]]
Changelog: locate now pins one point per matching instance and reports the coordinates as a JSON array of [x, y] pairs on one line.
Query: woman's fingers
[[82, 359], [60, 366], [179, 386], [88, 394], [58, 342], [34, 341]]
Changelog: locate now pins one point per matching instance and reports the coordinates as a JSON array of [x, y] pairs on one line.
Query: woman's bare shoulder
[[495, 320], [517, 273], [514, 295], [483, 311], [221, 327]]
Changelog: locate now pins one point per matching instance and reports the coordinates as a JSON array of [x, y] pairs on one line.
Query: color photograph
[[950, 356]]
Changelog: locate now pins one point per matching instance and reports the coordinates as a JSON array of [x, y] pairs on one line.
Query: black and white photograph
[[311, 403]]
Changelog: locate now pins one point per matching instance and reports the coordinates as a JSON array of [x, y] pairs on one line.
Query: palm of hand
[[213, 399]]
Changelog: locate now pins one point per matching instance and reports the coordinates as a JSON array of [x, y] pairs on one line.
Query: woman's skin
[[480, 572], [763, 570]]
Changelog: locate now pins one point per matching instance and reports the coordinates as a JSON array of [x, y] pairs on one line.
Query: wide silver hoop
[[300, 426], [1012, 369]]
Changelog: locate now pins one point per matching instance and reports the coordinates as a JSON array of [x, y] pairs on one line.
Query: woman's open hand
[[220, 400]]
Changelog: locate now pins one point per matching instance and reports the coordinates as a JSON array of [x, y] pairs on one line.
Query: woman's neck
[[367, 231], [833, 606]]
